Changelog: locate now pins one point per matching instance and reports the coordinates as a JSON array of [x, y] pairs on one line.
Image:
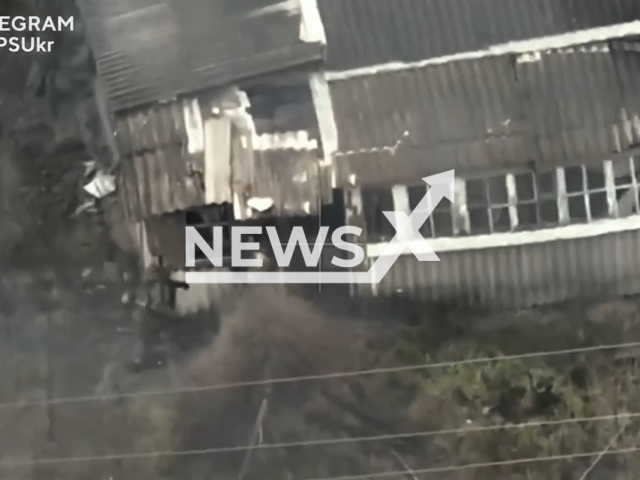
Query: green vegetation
[[492, 399]]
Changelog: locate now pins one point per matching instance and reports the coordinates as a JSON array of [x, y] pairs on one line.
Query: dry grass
[[269, 336], [272, 335]]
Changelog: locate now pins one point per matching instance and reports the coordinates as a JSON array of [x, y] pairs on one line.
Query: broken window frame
[[460, 210]]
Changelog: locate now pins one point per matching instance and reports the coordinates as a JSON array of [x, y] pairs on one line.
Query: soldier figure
[[155, 317]]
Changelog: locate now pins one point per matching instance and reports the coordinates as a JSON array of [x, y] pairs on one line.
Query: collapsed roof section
[[155, 50]]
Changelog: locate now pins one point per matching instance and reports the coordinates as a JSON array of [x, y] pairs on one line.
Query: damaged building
[[229, 111], [210, 115], [541, 132]]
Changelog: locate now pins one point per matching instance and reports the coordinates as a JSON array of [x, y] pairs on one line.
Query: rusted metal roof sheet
[[567, 106], [521, 276], [362, 33], [155, 50]]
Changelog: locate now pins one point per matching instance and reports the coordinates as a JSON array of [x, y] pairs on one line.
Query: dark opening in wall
[[204, 219], [536, 199], [487, 204], [586, 189], [374, 202]]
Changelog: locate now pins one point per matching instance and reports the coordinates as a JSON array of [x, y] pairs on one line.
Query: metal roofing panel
[[155, 183], [157, 173], [290, 177], [152, 50], [158, 127], [578, 104], [523, 276], [423, 120], [162, 171], [565, 106], [158, 182], [369, 32]]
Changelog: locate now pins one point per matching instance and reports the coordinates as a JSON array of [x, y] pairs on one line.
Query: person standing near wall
[[156, 317]]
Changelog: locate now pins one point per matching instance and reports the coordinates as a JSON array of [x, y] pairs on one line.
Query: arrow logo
[[407, 227]]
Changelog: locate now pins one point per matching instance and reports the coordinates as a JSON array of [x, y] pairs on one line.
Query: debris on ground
[[102, 185]]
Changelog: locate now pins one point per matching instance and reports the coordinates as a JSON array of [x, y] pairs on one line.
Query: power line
[[315, 443], [604, 452], [327, 376], [472, 466]]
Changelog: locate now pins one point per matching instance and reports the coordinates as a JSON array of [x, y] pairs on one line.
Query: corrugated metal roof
[[523, 276], [158, 127], [369, 32], [158, 182], [165, 168], [157, 174], [153, 50], [567, 106]]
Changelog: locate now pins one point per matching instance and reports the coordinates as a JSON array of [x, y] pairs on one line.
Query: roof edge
[[552, 42]]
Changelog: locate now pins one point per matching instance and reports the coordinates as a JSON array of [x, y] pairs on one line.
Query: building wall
[[546, 109], [515, 240], [521, 276]]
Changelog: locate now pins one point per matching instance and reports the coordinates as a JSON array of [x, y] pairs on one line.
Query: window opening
[[521, 200]]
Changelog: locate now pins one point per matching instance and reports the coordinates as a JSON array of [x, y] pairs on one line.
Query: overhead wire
[[327, 376], [473, 466], [320, 442]]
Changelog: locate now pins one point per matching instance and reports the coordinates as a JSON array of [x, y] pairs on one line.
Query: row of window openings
[[536, 202]]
